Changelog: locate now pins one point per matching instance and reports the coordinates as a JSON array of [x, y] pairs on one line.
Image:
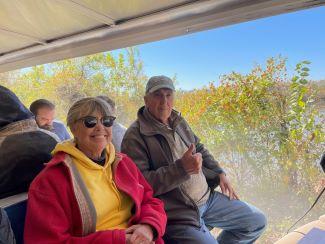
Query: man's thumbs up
[[192, 163], [189, 151]]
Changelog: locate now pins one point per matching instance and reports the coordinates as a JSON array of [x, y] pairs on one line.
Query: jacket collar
[[150, 126], [25, 125]]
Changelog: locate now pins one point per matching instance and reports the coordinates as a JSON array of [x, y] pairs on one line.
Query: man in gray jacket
[[184, 175]]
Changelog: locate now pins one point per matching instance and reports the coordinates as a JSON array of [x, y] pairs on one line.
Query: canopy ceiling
[[41, 31]]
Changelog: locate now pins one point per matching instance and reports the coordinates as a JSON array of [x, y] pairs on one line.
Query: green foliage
[[261, 123], [64, 82], [266, 131]]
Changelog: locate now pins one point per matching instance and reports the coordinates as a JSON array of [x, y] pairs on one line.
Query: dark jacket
[[24, 148], [149, 149]]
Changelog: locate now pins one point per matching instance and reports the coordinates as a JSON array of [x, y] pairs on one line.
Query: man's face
[[45, 117], [160, 104]]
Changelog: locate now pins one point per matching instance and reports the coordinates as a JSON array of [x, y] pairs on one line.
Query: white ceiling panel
[[45, 19], [9, 41], [126, 9]]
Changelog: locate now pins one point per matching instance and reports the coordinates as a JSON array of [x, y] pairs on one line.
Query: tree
[[120, 77]]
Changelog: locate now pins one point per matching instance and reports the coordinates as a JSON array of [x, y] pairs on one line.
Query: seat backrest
[[15, 207], [6, 234]]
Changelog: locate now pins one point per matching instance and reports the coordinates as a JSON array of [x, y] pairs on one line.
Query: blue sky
[[200, 58]]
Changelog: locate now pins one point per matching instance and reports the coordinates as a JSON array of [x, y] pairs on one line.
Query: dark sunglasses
[[91, 122]]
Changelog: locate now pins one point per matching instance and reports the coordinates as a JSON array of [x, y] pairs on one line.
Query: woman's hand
[[139, 234]]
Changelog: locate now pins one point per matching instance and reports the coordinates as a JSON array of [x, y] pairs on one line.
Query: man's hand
[[192, 163], [226, 187], [139, 234]]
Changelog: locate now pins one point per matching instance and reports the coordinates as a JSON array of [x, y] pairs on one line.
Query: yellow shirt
[[113, 207]]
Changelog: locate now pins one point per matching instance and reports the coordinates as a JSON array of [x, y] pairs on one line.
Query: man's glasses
[[91, 122]]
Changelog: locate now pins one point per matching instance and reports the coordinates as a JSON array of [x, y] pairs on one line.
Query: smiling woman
[[90, 193], [90, 121]]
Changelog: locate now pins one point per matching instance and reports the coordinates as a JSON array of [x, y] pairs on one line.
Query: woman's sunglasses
[[91, 122]]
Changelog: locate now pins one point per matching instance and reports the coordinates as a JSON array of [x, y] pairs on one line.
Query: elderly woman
[[88, 193]]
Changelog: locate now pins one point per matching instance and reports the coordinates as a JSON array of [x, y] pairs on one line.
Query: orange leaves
[[193, 104]]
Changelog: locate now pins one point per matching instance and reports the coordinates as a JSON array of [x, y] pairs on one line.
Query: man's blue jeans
[[241, 223]]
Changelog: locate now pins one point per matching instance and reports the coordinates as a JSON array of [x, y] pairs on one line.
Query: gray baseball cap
[[157, 82]]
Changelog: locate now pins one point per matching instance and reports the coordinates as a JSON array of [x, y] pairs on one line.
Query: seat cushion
[[15, 208]]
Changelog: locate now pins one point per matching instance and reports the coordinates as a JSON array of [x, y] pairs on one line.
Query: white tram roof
[[35, 32]]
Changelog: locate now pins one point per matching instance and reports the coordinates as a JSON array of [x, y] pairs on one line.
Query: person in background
[[88, 193], [44, 112], [24, 147], [118, 129], [184, 175]]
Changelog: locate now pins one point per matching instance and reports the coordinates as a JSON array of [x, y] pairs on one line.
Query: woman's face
[[94, 139]]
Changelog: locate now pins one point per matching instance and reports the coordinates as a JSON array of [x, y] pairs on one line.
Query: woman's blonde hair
[[86, 107]]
